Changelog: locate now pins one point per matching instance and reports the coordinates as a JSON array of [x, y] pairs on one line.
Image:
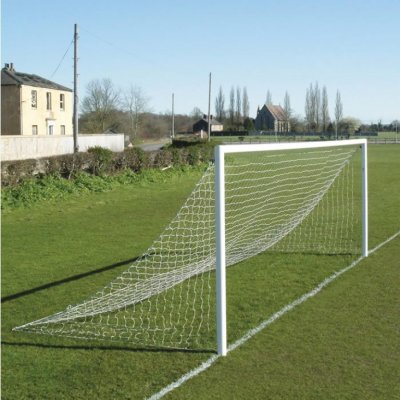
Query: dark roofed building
[[271, 118], [32, 105], [201, 126], [11, 77]]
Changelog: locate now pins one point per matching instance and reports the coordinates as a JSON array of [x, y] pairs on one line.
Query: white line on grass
[[206, 364]]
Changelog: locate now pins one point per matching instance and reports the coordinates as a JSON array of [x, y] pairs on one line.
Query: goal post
[[220, 211], [298, 199]]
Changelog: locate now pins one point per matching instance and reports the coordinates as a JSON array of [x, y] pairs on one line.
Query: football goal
[[290, 197], [296, 198]]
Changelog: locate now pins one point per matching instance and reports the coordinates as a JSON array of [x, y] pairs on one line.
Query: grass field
[[341, 344], [390, 136]]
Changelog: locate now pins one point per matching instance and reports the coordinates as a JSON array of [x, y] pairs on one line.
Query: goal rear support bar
[[220, 152]]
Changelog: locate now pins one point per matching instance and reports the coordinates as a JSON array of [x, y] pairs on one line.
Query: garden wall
[[29, 147]]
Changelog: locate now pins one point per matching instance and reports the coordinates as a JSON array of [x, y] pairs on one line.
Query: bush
[[68, 165], [162, 159], [188, 141], [14, 172], [101, 161], [134, 158]]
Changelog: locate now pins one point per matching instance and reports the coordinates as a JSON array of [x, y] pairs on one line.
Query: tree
[[324, 110], [309, 109], [135, 103], [268, 100], [245, 104], [349, 125], [220, 105], [313, 108], [317, 107], [238, 112], [232, 106], [287, 109], [338, 112], [100, 103], [196, 113]]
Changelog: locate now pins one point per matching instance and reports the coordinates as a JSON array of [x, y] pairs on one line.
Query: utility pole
[[75, 121], [173, 119], [209, 104]]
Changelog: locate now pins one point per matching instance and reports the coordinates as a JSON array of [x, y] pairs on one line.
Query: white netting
[[297, 201]]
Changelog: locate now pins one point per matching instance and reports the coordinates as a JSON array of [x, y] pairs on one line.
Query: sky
[[171, 46]]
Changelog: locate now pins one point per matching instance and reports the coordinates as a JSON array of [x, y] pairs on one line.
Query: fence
[[26, 147]]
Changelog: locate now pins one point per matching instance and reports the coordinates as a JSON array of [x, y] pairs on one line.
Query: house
[[201, 126], [271, 118], [31, 105]]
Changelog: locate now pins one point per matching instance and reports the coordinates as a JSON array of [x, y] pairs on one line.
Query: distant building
[[31, 105], [201, 126], [271, 118]]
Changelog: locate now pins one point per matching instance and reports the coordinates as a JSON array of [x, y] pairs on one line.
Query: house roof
[[11, 77], [212, 121], [277, 112]]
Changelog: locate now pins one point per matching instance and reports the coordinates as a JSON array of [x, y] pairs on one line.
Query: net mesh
[[286, 201]]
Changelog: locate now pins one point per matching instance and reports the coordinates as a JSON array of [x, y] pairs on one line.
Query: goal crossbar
[[220, 152]]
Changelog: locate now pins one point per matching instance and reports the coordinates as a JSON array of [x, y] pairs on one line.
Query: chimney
[[9, 67]]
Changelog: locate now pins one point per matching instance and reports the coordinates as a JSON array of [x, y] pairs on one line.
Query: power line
[[62, 59], [118, 48]]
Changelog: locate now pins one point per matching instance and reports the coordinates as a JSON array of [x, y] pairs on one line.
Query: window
[[62, 102], [62, 129], [48, 100], [34, 130], [34, 98], [51, 129]]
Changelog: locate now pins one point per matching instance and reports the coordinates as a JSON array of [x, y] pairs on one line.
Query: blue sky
[[171, 46]]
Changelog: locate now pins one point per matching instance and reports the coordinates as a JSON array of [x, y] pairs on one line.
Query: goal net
[[287, 200]]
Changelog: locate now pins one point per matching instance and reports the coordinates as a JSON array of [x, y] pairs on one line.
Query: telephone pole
[[173, 119], [75, 119], [209, 104]]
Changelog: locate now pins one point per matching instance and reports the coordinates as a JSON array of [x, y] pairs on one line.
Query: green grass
[[298, 137], [341, 344]]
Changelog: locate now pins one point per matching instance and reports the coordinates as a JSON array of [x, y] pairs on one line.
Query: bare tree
[[317, 107], [324, 110], [232, 106], [287, 109], [196, 113], [245, 104], [309, 108], [338, 112], [100, 103], [220, 105], [268, 100], [135, 103], [313, 108], [238, 112]]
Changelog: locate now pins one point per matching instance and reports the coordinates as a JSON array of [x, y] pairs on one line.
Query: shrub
[[135, 159], [101, 161], [162, 159], [14, 172], [193, 155], [68, 165], [188, 141]]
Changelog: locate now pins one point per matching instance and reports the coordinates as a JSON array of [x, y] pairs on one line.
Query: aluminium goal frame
[[219, 154]]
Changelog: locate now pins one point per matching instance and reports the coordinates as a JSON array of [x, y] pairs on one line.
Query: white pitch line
[[206, 364]]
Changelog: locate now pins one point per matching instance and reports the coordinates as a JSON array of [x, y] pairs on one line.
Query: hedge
[[101, 161]]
